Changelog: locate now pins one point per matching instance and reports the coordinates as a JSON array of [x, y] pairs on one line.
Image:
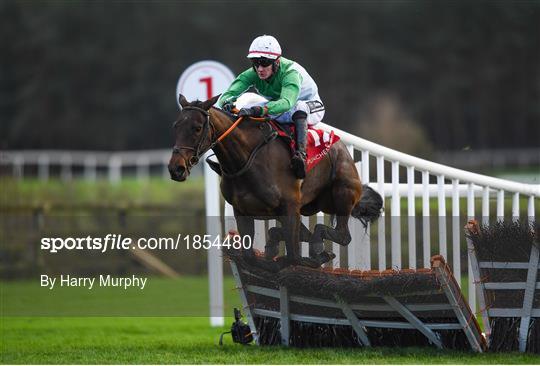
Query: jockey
[[291, 94]]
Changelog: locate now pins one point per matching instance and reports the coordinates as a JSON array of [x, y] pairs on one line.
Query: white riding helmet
[[265, 46]]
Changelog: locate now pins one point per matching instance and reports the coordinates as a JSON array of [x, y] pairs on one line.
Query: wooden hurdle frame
[[397, 306]]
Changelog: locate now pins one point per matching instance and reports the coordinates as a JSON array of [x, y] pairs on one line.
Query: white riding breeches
[[314, 109]]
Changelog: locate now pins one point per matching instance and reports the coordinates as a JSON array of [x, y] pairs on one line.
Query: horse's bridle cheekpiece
[[198, 148]]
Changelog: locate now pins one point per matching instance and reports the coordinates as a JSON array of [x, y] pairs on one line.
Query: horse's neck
[[233, 151]]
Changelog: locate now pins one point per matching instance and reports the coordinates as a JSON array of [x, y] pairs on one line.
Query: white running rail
[[408, 182], [89, 164]]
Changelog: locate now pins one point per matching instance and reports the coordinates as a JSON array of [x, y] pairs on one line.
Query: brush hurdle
[[303, 307], [505, 265]]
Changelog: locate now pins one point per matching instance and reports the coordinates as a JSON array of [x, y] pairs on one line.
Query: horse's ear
[[183, 101], [210, 102]]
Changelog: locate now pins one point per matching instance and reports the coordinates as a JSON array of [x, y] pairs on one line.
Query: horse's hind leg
[[345, 194], [277, 234], [340, 235]]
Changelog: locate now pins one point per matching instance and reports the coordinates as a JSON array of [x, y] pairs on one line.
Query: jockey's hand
[[228, 107], [251, 112]]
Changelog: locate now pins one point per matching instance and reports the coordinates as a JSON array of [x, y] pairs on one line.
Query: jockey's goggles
[[262, 61]]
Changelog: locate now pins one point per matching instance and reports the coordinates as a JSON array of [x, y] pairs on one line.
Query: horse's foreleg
[[340, 234], [246, 226], [277, 234], [291, 226]]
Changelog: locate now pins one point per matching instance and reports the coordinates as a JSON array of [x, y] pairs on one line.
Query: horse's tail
[[370, 206]]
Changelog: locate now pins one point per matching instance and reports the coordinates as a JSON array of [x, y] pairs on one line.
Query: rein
[[199, 151], [229, 130]]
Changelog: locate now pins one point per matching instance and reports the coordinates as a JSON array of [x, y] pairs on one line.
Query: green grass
[[80, 192], [162, 191], [186, 296], [190, 340], [173, 340]]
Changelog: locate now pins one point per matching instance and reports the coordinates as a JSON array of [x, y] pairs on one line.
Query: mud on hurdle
[[303, 307]]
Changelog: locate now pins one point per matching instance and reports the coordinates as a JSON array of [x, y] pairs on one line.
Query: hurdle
[[304, 307], [505, 265]]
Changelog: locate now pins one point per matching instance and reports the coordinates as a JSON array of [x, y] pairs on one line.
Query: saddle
[[318, 144]]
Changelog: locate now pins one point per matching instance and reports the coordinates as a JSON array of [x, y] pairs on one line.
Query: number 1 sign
[[203, 80]]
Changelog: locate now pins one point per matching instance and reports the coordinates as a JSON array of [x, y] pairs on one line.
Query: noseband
[[199, 151]]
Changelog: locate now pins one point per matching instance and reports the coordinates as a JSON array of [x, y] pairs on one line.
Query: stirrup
[[300, 154]]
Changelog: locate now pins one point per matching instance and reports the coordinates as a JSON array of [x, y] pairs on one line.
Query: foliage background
[[102, 75]]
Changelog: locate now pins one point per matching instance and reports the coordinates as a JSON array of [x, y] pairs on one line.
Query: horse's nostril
[[177, 172]]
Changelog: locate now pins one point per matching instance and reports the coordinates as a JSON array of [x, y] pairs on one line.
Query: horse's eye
[[198, 129]]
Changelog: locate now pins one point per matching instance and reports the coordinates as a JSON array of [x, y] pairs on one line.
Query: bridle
[[199, 151]]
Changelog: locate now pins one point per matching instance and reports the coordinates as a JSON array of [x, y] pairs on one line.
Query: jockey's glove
[[252, 112], [228, 107]]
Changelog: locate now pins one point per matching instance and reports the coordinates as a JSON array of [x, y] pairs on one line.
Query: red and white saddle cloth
[[318, 144]]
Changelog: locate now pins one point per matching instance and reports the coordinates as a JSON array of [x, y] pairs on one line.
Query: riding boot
[[298, 161]]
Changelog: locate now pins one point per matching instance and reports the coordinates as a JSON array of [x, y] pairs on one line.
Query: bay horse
[[256, 179]]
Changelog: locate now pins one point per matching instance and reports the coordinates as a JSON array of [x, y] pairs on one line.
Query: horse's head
[[193, 136]]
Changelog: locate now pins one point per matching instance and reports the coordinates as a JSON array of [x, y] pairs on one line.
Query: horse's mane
[[230, 116], [199, 104]]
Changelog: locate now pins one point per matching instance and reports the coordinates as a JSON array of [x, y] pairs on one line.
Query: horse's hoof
[[250, 257], [308, 262], [325, 257], [270, 252], [281, 262]]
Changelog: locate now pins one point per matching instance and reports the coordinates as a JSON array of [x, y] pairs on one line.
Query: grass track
[[189, 340], [177, 340]]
